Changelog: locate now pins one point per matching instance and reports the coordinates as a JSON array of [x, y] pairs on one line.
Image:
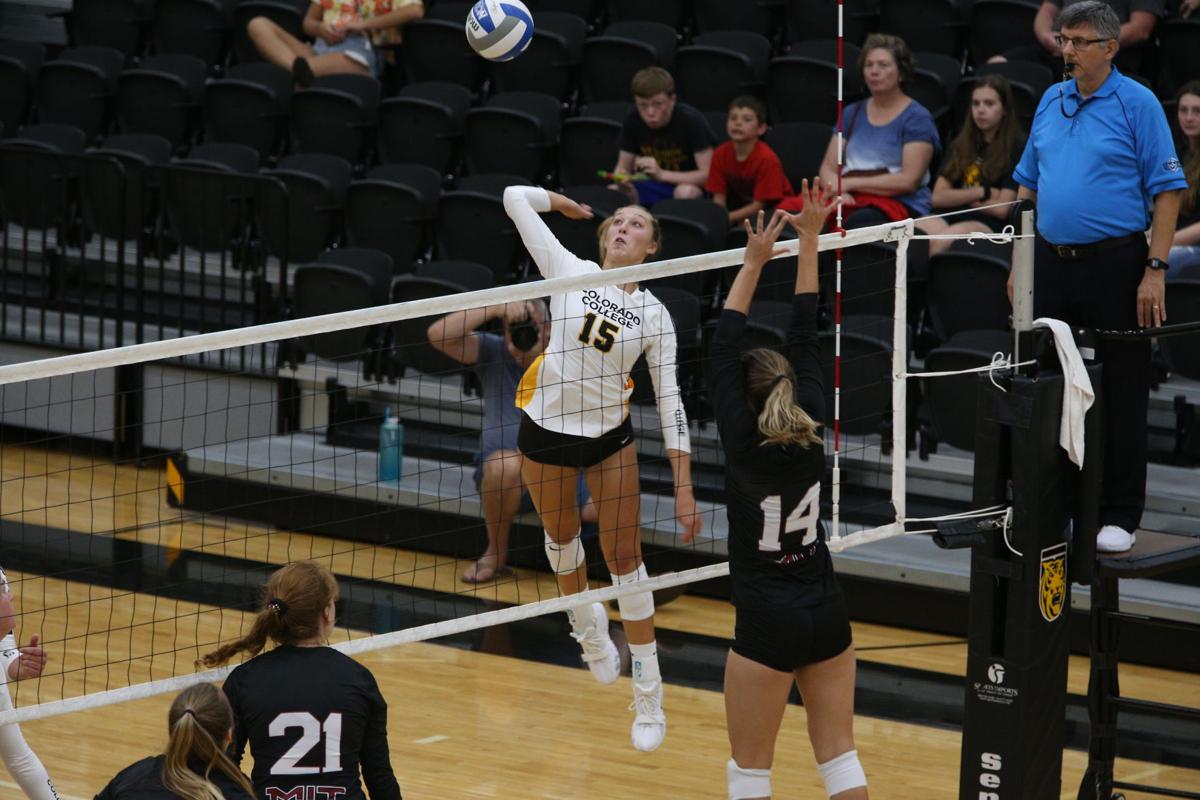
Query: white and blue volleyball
[[499, 30]]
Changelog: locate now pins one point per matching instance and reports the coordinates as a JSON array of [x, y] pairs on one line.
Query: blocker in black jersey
[[777, 554], [312, 717]]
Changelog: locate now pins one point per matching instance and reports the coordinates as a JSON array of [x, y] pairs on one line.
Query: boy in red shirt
[[746, 176]]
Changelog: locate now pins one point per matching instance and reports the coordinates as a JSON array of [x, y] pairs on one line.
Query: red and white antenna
[[836, 494]]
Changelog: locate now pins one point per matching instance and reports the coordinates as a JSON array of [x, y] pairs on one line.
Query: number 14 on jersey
[[802, 519]]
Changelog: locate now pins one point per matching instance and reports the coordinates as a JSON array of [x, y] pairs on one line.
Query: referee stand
[[1023, 564]]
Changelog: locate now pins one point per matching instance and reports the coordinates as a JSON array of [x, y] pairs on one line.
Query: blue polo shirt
[[1096, 174]]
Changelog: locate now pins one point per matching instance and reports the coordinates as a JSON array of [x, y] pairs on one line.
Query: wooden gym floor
[[463, 724]]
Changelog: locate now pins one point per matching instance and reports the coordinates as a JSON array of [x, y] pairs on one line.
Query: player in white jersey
[[576, 415], [19, 663]]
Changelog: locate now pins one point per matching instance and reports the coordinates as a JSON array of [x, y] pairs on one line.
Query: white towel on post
[[1078, 395]]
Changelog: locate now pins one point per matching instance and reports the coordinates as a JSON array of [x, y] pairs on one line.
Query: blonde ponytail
[[199, 720], [771, 389]]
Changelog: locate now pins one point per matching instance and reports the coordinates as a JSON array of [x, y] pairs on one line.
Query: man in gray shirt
[[500, 361]]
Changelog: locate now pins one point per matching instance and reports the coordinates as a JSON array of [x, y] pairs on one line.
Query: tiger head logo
[[1052, 582]]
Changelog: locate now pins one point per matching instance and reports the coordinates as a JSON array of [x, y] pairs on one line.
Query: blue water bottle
[[391, 442]]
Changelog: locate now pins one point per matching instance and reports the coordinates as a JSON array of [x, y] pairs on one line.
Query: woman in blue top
[[890, 139]]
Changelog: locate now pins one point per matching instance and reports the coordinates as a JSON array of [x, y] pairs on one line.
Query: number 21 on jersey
[[804, 517], [312, 731]]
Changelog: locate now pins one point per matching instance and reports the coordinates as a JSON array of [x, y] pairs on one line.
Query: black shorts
[[786, 639], [564, 450]]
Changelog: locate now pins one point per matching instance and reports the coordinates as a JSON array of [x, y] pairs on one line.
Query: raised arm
[[523, 204], [454, 334], [804, 349]]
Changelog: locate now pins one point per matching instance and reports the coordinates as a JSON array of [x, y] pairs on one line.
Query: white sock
[[581, 616], [645, 663]]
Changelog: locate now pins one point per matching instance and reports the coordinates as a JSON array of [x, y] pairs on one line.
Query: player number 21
[[605, 334], [311, 731], [804, 517]]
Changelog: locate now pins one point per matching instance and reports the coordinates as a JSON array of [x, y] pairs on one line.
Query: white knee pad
[[565, 558], [842, 774], [639, 605], [747, 783]]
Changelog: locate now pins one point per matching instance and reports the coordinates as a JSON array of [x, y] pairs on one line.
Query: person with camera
[[500, 361]]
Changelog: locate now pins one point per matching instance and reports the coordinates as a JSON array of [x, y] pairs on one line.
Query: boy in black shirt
[[665, 146]]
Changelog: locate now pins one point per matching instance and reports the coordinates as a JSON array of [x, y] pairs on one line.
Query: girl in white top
[[18, 664], [575, 402]]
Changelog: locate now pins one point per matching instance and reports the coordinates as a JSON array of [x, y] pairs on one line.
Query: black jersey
[[143, 781], [777, 552], [312, 716]]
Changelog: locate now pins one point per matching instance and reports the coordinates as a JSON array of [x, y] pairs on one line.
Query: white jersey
[[581, 384]]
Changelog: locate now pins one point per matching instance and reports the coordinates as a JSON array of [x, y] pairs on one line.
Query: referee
[[1101, 168]]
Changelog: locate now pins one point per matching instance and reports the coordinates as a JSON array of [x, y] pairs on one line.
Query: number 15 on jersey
[[802, 519]]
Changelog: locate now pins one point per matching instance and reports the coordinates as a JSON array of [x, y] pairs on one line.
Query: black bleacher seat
[[690, 227], [1183, 296], [664, 12], [866, 387], [551, 61], [615, 110], [78, 87], [610, 60], [516, 132], [19, 66], [721, 65], [316, 191], [717, 125], [1179, 48], [952, 400], [801, 89], [471, 225], [437, 50], [588, 10], [684, 308], [933, 85], [425, 124], [935, 26], [163, 96], [343, 280], [868, 279], [34, 183], [201, 202], [199, 28], [119, 24], [432, 279], [1000, 25], [817, 19], [392, 210], [249, 106], [449, 10], [115, 202], [579, 235], [967, 289], [287, 14], [588, 144], [721, 15], [336, 116], [801, 147]]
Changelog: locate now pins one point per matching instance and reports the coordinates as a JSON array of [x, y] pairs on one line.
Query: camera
[[523, 334]]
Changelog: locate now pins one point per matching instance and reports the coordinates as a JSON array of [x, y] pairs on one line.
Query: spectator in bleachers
[[979, 163], [666, 144], [347, 35], [746, 175], [500, 361], [890, 140], [1138, 19], [1185, 247]]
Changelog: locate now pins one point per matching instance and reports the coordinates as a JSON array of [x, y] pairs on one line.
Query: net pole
[[899, 379], [840, 231]]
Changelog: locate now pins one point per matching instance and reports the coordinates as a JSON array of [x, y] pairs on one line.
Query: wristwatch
[[1156, 264]]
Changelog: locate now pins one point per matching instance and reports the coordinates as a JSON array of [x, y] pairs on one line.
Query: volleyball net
[[149, 491]]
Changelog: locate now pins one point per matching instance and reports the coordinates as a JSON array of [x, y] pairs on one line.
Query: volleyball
[[499, 30]]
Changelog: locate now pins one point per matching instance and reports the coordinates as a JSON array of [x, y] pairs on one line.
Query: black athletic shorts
[[564, 450], [786, 639]]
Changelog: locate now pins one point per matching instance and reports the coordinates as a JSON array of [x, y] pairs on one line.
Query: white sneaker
[[1113, 539], [599, 652], [650, 724]]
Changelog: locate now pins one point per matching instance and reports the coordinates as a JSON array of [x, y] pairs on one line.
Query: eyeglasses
[[1077, 42]]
